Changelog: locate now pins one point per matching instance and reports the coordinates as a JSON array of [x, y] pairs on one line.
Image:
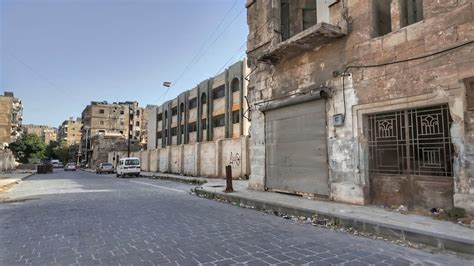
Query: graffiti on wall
[[234, 160]]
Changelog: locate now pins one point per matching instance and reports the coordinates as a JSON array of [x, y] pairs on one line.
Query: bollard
[[228, 178]]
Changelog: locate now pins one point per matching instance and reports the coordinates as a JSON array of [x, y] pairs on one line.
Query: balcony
[[316, 36]]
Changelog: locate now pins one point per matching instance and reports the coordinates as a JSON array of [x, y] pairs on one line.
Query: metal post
[[228, 177], [128, 133]]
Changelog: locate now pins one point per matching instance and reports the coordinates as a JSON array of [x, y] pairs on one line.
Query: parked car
[[70, 167], [60, 165], [55, 163], [128, 166], [105, 168]]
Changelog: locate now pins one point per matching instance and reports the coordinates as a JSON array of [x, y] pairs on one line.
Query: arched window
[[203, 98], [235, 85]]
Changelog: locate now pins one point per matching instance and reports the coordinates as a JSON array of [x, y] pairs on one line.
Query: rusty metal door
[[411, 158], [295, 140]]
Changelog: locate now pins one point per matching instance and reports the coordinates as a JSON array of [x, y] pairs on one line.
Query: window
[[309, 14], [121, 132], [174, 111], [137, 123], [411, 11], [101, 111], [192, 127], [193, 103], [160, 116], [236, 117], [122, 112], [218, 121], [204, 124], [383, 17], [203, 98], [101, 122], [122, 123], [138, 112], [159, 134], [174, 131], [235, 85], [285, 19], [218, 92]]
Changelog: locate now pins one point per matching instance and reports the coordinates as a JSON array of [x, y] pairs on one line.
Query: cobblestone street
[[87, 219]]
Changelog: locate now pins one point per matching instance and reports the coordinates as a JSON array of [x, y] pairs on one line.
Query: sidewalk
[[441, 235], [9, 178]]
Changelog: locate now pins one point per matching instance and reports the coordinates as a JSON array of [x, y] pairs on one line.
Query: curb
[[194, 181], [462, 247], [17, 181]]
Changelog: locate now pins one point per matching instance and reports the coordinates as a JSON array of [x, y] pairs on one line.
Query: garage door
[[296, 151]]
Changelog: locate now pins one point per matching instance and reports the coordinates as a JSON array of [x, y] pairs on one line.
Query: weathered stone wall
[[7, 161], [197, 159], [433, 80]]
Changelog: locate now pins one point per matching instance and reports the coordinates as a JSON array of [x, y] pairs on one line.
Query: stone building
[[46, 133], [70, 131], [205, 122], [103, 144], [363, 101], [50, 134], [11, 115], [102, 118]]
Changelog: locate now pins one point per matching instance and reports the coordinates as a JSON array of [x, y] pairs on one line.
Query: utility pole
[[129, 129]]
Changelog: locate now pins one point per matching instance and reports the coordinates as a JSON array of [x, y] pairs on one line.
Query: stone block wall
[[198, 159]]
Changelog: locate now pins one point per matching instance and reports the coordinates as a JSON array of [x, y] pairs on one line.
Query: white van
[[128, 166]]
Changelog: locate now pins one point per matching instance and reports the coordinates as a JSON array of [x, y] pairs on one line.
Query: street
[[83, 218]]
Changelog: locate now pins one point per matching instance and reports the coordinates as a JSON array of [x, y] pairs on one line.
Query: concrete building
[[11, 116], [46, 133], [102, 118], [70, 131], [50, 134], [203, 129], [363, 101], [103, 144]]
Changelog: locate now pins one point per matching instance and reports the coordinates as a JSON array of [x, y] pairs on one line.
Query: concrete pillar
[[218, 156], [168, 159], [395, 14], [181, 159], [197, 159]]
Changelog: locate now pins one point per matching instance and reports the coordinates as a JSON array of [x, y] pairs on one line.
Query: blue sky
[[58, 55]]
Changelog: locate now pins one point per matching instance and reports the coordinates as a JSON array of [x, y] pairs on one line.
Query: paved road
[[87, 219]]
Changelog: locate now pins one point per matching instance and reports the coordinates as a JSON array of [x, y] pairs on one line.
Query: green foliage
[[49, 153], [28, 147], [61, 151]]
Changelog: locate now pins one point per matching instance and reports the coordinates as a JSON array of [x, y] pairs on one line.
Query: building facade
[[11, 116], [205, 122], [46, 133], [363, 101], [70, 131], [102, 118]]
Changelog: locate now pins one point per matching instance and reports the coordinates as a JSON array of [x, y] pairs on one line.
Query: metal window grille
[[411, 142]]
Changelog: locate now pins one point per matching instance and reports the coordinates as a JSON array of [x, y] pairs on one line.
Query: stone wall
[[198, 159], [7, 161], [432, 80]]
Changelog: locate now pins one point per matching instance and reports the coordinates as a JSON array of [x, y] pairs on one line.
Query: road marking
[[173, 189]]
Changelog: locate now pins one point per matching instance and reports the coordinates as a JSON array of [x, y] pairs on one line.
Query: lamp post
[[129, 129]]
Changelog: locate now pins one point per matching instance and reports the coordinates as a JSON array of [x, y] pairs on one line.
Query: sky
[[58, 55]]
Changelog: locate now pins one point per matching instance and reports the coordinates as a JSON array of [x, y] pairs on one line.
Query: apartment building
[[46, 133], [110, 119], [203, 122], [70, 131], [363, 101], [11, 116]]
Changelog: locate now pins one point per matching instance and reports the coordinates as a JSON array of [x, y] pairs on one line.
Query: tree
[[28, 147], [61, 151], [50, 150]]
